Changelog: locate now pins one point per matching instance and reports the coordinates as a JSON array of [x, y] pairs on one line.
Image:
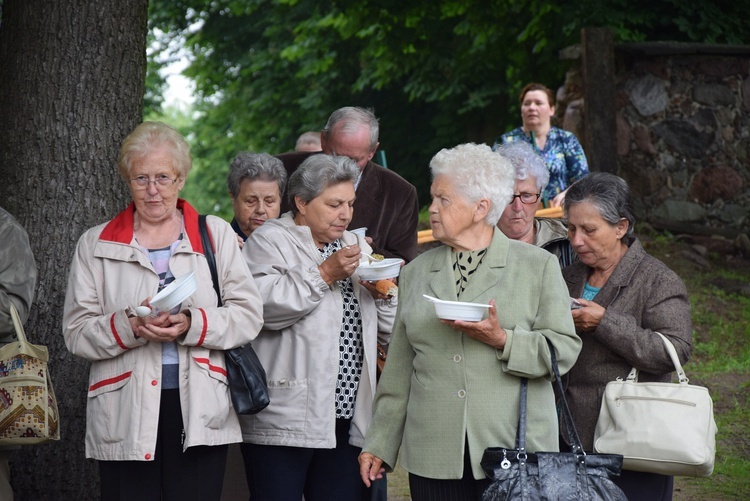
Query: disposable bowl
[[378, 270], [175, 293], [458, 310]]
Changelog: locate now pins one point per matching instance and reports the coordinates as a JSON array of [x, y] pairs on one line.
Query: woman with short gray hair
[[519, 220], [318, 343], [255, 183], [626, 297]]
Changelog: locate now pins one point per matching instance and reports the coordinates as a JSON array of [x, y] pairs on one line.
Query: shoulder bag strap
[[17, 323], [567, 417], [681, 376], [208, 251], [521, 431]]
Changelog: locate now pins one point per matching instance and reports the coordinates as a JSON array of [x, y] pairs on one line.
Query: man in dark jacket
[[386, 203]]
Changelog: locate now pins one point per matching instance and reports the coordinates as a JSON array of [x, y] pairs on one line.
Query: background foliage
[[437, 73]]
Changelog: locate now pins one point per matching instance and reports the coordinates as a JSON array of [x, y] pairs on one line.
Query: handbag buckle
[[505, 464]]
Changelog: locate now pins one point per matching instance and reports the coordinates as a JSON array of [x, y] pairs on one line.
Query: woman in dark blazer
[[451, 389], [626, 296]]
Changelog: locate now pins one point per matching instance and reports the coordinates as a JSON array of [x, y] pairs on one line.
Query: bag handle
[[681, 376], [570, 429], [208, 251], [17, 324]]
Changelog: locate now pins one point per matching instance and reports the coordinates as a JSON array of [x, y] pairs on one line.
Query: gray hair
[[149, 137], [309, 138], [318, 173], [526, 161], [255, 166], [350, 119], [477, 172], [610, 195]]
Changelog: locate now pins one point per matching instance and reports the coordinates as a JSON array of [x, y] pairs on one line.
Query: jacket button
[[457, 358], [154, 382], [461, 393], [147, 456]]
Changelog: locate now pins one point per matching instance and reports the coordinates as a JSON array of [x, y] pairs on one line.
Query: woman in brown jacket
[[625, 297]]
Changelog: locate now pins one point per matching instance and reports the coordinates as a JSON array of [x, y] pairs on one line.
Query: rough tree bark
[[71, 89]]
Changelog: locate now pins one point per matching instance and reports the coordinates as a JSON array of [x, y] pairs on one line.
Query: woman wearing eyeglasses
[[517, 220], [561, 151], [159, 415]]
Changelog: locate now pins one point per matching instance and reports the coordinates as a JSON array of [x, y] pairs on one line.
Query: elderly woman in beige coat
[[318, 343], [451, 389], [158, 415]]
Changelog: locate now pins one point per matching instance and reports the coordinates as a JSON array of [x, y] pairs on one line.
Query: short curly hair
[[149, 137], [478, 172]]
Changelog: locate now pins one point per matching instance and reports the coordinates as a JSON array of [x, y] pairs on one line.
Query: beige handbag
[[664, 428], [28, 407]]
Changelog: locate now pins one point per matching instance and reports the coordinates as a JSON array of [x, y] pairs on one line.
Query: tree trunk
[[71, 89]]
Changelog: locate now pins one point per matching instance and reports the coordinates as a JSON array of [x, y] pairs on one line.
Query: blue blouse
[[562, 153]]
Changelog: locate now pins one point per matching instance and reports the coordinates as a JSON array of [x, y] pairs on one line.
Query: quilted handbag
[[550, 476], [28, 407], [248, 387], [664, 428]]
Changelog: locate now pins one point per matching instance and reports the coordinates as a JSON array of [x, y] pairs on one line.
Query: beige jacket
[[109, 273], [299, 343]]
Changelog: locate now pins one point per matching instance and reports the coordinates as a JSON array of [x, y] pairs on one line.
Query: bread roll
[[386, 287]]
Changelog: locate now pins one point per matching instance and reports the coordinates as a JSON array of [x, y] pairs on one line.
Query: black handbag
[[575, 475], [247, 378]]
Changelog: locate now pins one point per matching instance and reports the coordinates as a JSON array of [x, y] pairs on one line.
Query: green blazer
[[441, 388]]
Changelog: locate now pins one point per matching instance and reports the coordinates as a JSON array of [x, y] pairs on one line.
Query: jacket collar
[[621, 276], [120, 228], [443, 283]]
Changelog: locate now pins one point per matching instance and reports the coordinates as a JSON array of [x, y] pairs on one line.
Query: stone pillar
[[598, 69]]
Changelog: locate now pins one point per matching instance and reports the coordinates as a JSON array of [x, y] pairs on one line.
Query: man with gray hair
[[386, 203], [17, 283]]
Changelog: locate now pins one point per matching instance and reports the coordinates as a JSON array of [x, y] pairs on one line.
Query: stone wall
[[682, 115]]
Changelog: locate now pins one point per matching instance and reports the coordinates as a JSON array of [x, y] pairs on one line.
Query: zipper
[[659, 399]]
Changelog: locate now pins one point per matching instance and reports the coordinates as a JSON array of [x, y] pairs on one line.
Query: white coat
[[299, 343]]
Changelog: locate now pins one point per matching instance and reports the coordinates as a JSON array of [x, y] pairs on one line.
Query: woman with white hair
[[318, 343], [518, 220], [451, 389]]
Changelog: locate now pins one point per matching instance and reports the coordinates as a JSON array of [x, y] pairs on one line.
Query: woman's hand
[[370, 286], [341, 264], [588, 316], [488, 331], [165, 328], [370, 468]]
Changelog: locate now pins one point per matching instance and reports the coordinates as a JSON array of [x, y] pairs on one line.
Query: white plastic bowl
[[458, 310], [378, 270], [175, 293], [360, 231]]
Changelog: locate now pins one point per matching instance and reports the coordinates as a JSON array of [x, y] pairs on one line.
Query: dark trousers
[[278, 473], [641, 486], [465, 489], [173, 475]]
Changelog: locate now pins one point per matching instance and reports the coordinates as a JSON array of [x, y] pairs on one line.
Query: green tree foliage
[[437, 73]]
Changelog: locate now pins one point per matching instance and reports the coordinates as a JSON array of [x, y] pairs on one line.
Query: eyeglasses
[[526, 198], [160, 181]]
